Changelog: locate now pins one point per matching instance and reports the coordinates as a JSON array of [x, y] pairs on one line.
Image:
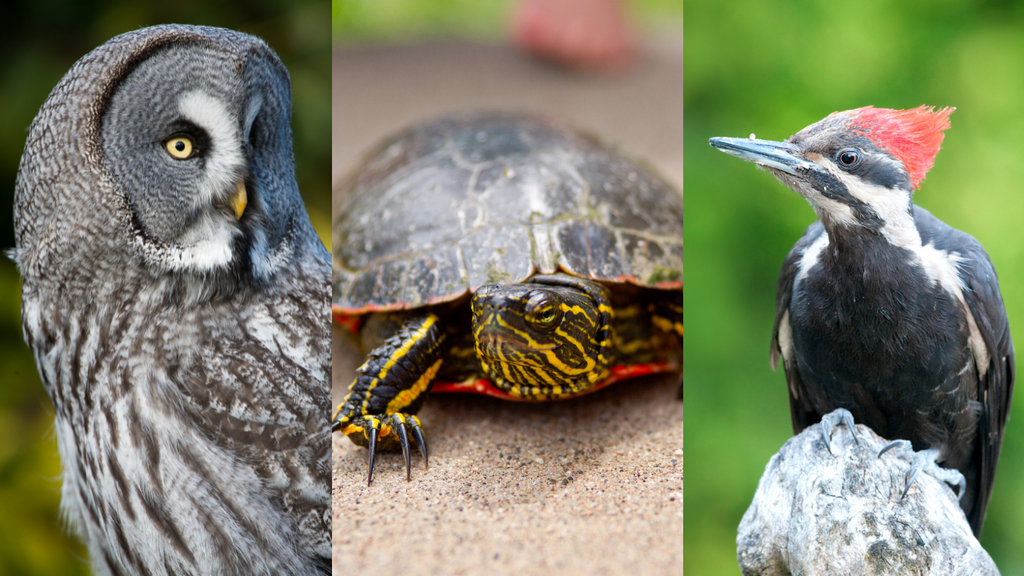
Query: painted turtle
[[506, 255]]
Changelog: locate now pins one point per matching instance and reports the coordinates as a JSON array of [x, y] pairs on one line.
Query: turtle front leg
[[379, 409]]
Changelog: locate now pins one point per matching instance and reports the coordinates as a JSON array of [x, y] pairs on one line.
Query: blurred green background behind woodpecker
[[772, 68]]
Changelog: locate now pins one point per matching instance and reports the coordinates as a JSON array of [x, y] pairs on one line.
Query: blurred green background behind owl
[[39, 43], [772, 68]]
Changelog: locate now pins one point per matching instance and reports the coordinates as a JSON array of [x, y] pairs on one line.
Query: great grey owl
[[176, 298]]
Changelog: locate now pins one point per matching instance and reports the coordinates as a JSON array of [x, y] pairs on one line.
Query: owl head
[[166, 153]]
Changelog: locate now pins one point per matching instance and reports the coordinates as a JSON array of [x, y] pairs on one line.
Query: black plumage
[[873, 335], [882, 309]]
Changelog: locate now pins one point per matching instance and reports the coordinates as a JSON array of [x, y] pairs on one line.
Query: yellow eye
[[543, 312], [180, 146]]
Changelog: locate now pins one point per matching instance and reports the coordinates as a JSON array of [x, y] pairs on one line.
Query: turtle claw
[[421, 441], [402, 424], [398, 425], [366, 431], [373, 452]]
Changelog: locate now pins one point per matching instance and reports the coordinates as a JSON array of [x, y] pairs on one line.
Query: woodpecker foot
[[835, 418], [927, 461]]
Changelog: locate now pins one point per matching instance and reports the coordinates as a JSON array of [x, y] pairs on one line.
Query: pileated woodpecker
[[882, 309]]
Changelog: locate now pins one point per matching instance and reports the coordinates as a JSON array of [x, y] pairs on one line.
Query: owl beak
[[239, 199]]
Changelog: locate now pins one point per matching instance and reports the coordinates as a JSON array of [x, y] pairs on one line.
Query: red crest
[[913, 136]]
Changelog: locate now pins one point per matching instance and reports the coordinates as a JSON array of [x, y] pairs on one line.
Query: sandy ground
[[586, 486]]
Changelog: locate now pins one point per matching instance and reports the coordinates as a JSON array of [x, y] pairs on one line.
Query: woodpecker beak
[[770, 154], [239, 199]]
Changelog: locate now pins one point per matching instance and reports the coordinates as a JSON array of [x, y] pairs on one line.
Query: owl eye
[[180, 146]]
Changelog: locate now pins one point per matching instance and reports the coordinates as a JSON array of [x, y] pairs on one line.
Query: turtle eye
[[543, 311], [848, 158]]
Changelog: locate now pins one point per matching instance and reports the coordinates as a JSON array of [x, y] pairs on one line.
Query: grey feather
[[186, 351]]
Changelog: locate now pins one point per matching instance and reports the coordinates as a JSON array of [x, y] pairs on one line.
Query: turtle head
[[546, 338]]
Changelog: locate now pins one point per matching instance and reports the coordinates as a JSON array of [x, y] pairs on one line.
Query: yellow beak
[[239, 200]]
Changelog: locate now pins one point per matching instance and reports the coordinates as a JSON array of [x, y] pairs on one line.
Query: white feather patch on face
[[226, 161], [827, 209], [891, 205], [206, 246]]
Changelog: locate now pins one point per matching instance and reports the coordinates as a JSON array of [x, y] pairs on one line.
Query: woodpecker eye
[[848, 158]]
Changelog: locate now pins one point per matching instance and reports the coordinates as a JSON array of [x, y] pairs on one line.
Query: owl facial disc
[[197, 158]]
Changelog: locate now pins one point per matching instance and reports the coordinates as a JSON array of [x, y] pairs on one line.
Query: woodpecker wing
[[995, 388], [800, 406]]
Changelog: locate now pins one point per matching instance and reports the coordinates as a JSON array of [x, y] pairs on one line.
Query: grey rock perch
[[816, 513]]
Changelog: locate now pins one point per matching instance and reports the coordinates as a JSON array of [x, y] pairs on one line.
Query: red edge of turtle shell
[[349, 318], [618, 374]]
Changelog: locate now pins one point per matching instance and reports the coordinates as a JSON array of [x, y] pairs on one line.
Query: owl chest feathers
[[213, 413]]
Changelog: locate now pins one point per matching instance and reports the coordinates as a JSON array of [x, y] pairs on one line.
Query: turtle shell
[[447, 206]]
